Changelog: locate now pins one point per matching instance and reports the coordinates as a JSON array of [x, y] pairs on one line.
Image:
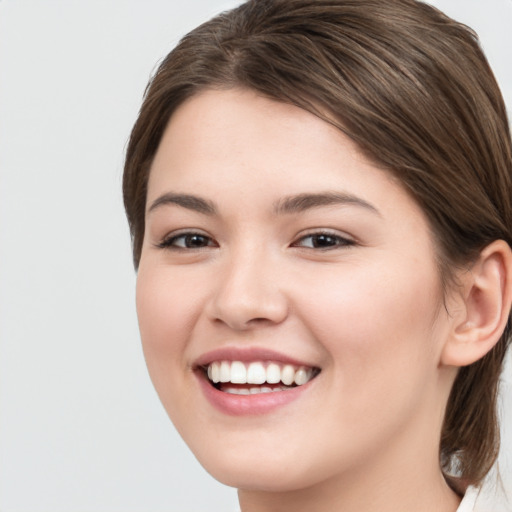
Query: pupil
[[196, 241], [324, 241]]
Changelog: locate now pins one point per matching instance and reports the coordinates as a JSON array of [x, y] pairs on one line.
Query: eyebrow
[[302, 202], [292, 204], [188, 201]]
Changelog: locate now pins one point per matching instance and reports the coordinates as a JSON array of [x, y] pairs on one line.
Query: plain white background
[[81, 429]]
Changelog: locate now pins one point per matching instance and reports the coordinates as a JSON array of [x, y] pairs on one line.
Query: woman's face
[[276, 253]]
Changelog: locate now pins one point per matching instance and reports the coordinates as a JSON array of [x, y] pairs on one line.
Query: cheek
[[165, 312], [381, 365], [368, 299], [377, 325]]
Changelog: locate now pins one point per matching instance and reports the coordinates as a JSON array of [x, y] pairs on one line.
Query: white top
[[488, 498], [469, 501]]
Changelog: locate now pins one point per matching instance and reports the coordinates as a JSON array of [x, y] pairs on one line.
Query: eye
[[323, 241], [187, 240]]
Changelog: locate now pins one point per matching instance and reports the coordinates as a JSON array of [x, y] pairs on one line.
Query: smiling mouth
[[240, 378]]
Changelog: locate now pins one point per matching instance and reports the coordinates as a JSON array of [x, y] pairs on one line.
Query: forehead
[[224, 135]]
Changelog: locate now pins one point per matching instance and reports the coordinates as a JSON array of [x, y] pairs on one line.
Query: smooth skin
[[351, 287]]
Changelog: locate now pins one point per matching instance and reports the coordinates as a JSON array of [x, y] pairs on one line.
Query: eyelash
[[170, 241], [330, 241], [337, 241]]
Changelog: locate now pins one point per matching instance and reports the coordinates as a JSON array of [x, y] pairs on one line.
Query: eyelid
[[342, 240], [167, 241], [345, 239]]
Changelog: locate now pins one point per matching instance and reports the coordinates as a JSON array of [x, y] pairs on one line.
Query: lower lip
[[241, 405]]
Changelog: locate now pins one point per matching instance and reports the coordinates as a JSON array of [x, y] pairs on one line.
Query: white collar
[[468, 502]]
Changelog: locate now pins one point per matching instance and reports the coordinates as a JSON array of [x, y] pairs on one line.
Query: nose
[[248, 294]]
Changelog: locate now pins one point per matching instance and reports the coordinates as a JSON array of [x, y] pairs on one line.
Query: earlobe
[[486, 297]]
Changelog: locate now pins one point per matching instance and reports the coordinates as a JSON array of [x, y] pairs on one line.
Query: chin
[[261, 478], [277, 471]]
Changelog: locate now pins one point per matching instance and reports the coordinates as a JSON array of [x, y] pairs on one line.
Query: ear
[[482, 309]]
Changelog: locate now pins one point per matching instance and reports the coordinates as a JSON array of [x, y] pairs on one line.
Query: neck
[[359, 493]]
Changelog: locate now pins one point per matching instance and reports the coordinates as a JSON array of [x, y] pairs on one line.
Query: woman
[[319, 194]]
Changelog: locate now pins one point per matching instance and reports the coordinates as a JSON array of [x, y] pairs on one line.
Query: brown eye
[[323, 241], [187, 241], [194, 241]]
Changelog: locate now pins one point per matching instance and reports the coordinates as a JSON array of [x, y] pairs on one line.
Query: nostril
[[259, 320], [239, 323]]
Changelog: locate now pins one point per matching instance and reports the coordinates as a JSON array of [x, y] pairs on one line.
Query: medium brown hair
[[413, 89]]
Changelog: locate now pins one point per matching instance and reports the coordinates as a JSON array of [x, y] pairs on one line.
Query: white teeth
[[273, 373], [301, 376], [288, 375], [237, 391], [238, 373], [257, 373], [215, 371], [253, 391], [225, 371]]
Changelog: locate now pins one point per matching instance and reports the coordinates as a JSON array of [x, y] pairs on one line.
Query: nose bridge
[[249, 291]]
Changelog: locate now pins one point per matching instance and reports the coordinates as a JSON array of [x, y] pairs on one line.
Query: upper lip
[[247, 354]]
